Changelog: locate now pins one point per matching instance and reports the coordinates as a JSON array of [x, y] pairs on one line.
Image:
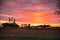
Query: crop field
[[30, 34]]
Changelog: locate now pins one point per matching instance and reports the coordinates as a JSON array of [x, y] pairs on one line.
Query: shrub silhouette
[[13, 25]]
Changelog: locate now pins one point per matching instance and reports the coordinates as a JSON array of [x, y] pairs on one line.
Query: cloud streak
[[31, 11]]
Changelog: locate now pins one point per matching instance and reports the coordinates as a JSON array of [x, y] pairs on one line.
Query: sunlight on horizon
[[32, 24]]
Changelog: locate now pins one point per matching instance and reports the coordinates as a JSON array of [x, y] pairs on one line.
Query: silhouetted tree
[[10, 25], [58, 7]]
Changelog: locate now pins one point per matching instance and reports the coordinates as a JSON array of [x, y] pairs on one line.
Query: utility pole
[[14, 21], [9, 19]]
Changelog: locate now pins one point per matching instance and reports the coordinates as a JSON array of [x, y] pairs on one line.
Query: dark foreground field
[[30, 34]]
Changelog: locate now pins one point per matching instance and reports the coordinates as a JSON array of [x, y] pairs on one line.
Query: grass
[[29, 34], [28, 37]]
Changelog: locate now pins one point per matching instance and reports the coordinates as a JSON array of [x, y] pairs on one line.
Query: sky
[[30, 11]]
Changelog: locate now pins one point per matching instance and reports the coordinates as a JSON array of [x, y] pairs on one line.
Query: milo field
[[29, 33]]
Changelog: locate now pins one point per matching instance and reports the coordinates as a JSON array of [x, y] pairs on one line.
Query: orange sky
[[30, 11]]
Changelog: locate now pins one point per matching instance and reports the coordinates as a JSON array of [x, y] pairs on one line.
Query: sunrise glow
[[34, 12]]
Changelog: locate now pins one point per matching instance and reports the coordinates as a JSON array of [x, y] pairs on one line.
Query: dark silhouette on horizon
[[10, 25]]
